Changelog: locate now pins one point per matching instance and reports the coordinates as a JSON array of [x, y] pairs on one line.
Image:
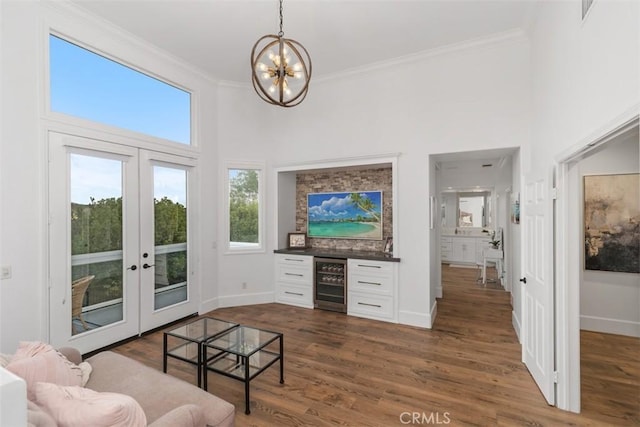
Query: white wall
[[464, 100], [610, 301], [245, 134], [23, 165], [584, 75]]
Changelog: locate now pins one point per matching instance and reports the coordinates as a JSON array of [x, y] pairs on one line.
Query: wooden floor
[[342, 370]]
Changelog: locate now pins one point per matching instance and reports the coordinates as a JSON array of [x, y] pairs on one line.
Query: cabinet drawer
[[370, 268], [370, 283], [299, 260], [296, 295], [370, 306], [298, 274]]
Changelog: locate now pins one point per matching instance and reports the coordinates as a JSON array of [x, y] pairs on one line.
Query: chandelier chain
[[281, 33]]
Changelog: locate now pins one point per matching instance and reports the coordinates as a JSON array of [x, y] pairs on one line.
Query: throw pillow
[[73, 406], [39, 362], [86, 369]]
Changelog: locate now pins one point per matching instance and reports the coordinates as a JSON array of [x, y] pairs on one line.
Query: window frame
[[140, 139], [229, 247]]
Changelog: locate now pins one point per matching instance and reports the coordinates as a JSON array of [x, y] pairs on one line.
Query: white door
[[107, 204], [165, 249], [537, 261]]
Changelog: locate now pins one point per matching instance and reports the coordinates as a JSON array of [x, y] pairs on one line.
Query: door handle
[[133, 267], [145, 265], [524, 280]]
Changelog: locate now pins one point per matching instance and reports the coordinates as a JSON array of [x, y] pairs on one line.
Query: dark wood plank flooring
[[467, 370]]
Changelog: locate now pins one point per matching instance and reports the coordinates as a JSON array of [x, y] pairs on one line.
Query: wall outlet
[[5, 272]]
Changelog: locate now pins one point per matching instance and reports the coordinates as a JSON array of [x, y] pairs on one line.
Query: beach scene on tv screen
[[348, 215]]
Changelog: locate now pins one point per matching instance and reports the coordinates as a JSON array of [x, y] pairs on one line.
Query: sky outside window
[[90, 86]]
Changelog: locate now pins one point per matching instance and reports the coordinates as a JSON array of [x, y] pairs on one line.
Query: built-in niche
[[346, 180]]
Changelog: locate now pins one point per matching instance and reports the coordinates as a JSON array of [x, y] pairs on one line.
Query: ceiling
[[216, 36]]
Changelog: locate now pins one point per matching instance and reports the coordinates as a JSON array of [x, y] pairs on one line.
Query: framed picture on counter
[[297, 240]]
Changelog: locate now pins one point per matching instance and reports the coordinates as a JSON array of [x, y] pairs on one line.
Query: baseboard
[[516, 325], [246, 299], [209, 305], [439, 291], [411, 318], [434, 312], [610, 326]]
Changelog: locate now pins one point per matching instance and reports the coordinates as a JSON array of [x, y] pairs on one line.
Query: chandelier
[[281, 69]]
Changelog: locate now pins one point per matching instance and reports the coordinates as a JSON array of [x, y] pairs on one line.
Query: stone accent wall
[[346, 181]]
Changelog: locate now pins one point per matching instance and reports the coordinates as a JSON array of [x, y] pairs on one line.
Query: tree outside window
[[244, 208]]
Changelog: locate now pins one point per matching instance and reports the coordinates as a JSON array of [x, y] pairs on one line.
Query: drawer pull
[[370, 305], [294, 274], [294, 293], [294, 259], [369, 266], [369, 283]]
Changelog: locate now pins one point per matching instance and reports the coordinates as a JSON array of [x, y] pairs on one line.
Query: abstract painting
[[348, 215], [612, 222]]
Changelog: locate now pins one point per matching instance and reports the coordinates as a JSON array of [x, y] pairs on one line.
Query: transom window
[[90, 86]]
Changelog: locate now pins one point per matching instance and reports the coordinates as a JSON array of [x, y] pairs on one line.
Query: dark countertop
[[340, 253]]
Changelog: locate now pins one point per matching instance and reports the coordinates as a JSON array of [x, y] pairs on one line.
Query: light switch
[[5, 272]]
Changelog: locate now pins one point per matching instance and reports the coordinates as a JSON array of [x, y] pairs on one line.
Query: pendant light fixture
[[281, 69]]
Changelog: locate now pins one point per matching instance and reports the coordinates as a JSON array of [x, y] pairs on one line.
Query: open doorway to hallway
[[476, 233]]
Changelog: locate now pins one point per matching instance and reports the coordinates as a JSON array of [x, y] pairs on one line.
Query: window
[[87, 85], [245, 210]]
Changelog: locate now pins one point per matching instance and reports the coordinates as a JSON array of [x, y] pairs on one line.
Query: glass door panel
[[166, 238], [96, 242], [170, 235], [94, 278]]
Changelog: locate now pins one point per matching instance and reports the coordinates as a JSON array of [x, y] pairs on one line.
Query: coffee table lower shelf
[[242, 366]]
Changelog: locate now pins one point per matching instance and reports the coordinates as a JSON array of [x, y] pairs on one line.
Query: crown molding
[[516, 34], [477, 43], [67, 8]]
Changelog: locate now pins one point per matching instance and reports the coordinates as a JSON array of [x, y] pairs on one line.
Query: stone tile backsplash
[[346, 181]]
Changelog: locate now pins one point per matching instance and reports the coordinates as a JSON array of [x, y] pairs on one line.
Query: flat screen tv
[[347, 215]]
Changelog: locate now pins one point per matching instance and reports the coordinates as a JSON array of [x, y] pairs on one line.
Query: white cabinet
[[372, 289], [464, 250], [294, 280], [446, 248]]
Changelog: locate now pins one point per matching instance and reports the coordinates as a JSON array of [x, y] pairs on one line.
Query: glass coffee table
[[243, 353], [185, 342]]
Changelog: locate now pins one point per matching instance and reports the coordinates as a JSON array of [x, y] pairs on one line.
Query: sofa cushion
[[38, 417], [39, 362], [182, 416], [156, 392], [74, 406]]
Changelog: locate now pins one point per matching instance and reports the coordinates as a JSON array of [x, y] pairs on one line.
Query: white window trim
[[248, 248]]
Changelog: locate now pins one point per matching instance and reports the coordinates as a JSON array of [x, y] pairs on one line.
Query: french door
[[119, 247]]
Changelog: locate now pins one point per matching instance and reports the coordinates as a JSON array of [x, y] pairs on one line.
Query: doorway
[[572, 288], [119, 249], [462, 231]]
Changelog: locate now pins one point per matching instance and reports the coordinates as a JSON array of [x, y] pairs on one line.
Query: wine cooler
[[330, 284]]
